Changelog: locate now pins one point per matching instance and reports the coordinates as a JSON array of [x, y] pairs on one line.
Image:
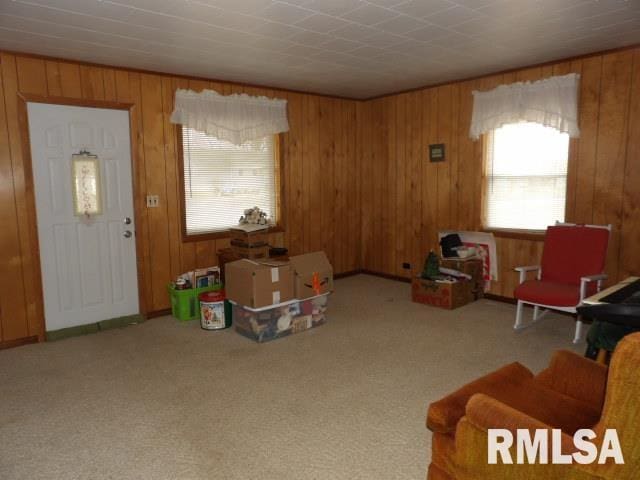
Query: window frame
[[278, 149], [513, 233]]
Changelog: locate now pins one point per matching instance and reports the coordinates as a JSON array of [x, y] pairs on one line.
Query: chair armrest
[[577, 377], [594, 278], [588, 279], [527, 268], [523, 271]]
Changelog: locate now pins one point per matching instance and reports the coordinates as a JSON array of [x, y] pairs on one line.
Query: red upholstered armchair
[[572, 268]]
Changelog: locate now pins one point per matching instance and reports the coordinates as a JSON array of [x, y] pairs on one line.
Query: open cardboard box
[[313, 274]]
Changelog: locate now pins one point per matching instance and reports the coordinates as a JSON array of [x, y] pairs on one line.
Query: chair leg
[[578, 334], [518, 323]]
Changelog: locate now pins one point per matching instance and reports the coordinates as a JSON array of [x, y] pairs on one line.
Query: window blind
[[526, 175], [221, 180]]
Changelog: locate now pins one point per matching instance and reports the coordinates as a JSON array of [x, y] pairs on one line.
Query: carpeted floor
[[165, 400]]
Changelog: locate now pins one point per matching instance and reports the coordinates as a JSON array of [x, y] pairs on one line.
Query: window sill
[[203, 237], [535, 235]]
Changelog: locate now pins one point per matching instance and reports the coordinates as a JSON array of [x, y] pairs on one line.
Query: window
[[525, 177], [221, 180]]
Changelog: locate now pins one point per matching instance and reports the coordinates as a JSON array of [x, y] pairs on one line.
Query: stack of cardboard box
[[250, 241], [272, 299]]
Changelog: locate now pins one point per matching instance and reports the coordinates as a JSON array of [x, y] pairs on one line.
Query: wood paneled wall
[[320, 178], [357, 180], [406, 200]]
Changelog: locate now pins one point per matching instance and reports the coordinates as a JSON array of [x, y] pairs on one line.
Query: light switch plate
[[152, 201]]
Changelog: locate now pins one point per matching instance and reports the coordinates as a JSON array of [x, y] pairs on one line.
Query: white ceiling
[[351, 48]]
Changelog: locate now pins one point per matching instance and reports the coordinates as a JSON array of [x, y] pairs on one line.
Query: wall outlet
[[406, 266], [153, 201]]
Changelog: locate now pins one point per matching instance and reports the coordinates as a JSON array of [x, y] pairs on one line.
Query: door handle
[[127, 220], [127, 234]]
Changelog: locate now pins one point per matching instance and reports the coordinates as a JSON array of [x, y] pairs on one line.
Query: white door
[[88, 263]]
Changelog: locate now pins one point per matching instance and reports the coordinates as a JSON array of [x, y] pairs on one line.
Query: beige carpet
[[168, 400]]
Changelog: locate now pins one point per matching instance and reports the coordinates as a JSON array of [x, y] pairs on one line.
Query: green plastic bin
[[185, 304]]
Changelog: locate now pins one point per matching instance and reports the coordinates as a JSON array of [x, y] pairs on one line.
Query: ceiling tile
[[322, 23], [344, 47], [332, 7], [307, 37], [277, 30], [384, 39], [354, 31], [241, 6], [422, 8], [340, 45], [284, 13], [400, 24], [453, 16], [369, 14], [428, 32]]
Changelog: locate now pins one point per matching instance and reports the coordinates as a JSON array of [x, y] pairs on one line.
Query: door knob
[[127, 234], [127, 220]]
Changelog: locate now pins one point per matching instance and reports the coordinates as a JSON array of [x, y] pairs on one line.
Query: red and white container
[[212, 314]]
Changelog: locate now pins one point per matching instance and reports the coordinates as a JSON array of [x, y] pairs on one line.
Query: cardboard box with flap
[[312, 273], [258, 283]]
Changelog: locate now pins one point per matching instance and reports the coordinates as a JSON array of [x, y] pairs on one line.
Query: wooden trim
[[350, 273], [23, 122], [223, 234], [278, 149], [535, 235], [34, 247], [500, 298], [503, 72], [173, 75], [75, 102], [157, 313], [386, 275], [19, 342]]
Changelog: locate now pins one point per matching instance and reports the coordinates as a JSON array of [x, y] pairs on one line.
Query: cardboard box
[[313, 274], [443, 295], [247, 239], [470, 266], [257, 284], [251, 253], [276, 321]]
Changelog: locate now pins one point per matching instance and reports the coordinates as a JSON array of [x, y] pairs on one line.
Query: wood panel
[[322, 200], [603, 184], [357, 180]]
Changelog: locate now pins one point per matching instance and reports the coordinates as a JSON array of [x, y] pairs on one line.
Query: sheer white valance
[[236, 118], [552, 102]]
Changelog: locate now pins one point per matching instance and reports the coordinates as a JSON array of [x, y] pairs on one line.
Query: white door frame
[[138, 200]]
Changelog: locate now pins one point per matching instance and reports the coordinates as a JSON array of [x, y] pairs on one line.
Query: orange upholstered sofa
[[572, 393]]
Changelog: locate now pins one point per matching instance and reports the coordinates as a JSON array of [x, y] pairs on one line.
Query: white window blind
[[221, 180], [526, 175]]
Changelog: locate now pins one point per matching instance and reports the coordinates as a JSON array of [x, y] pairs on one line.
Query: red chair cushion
[[572, 252], [548, 293]]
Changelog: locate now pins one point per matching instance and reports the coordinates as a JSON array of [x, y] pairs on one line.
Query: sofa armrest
[[577, 377], [529, 268], [470, 460], [444, 414]]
